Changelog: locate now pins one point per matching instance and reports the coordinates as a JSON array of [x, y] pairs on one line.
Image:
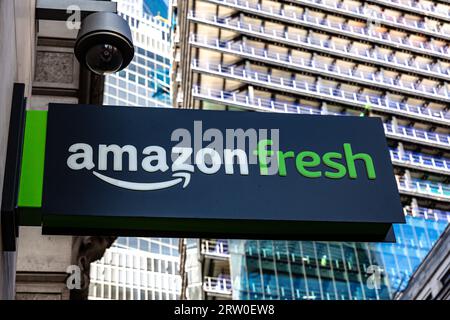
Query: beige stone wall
[[8, 75], [41, 265], [17, 43], [42, 261]]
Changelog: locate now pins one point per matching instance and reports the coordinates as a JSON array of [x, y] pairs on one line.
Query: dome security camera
[[104, 43]]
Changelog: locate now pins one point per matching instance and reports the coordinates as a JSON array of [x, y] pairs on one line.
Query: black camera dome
[[104, 43]]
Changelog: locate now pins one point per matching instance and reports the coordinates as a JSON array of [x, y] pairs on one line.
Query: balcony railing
[[218, 285], [216, 248], [314, 90], [420, 161], [365, 33], [312, 65], [413, 6], [414, 135], [362, 12], [424, 188], [328, 46], [268, 105], [428, 214]]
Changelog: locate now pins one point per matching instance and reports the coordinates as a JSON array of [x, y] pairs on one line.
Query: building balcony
[[243, 101], [361, 12], [419, 161], [252, 104], [326, 46], [308, 21], [423, 188], [327, 93], [427, 214], [416, 135], [415, 7], [317, 67], [216, 249], [219, 286]]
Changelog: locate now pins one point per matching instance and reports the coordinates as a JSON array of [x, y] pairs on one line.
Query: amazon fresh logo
[[231, 152]]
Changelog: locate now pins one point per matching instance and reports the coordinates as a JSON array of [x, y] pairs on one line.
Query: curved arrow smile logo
[[179, 177], [152, 159]]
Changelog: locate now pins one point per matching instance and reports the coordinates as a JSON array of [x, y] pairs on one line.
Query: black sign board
[[172, 172]]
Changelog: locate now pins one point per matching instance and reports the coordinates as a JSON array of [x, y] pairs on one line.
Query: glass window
[[131, 87], [111, 80], [113, 292], [160, 68], [132, 67], [141, 51], [91, 290], [155, 248], [165, 250], [98, 290], [355, 285], [149, 264], [133, 242], [342, 289], [170, 267], [107, 292], [142, 90], [143, 245], [111, 101]]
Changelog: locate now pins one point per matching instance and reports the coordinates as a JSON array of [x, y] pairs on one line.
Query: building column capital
[[85, 250]]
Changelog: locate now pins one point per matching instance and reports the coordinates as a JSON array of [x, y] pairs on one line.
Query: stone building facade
[[38, 52]]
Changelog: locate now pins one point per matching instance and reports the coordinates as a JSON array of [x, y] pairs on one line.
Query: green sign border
[[33, 158]]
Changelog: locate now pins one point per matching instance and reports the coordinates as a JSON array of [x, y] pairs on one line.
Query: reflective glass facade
[[327, 270]]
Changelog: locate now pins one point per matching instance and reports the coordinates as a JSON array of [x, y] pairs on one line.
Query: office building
[[137, 269], [140, 268], [387, 59], [146, 81]]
